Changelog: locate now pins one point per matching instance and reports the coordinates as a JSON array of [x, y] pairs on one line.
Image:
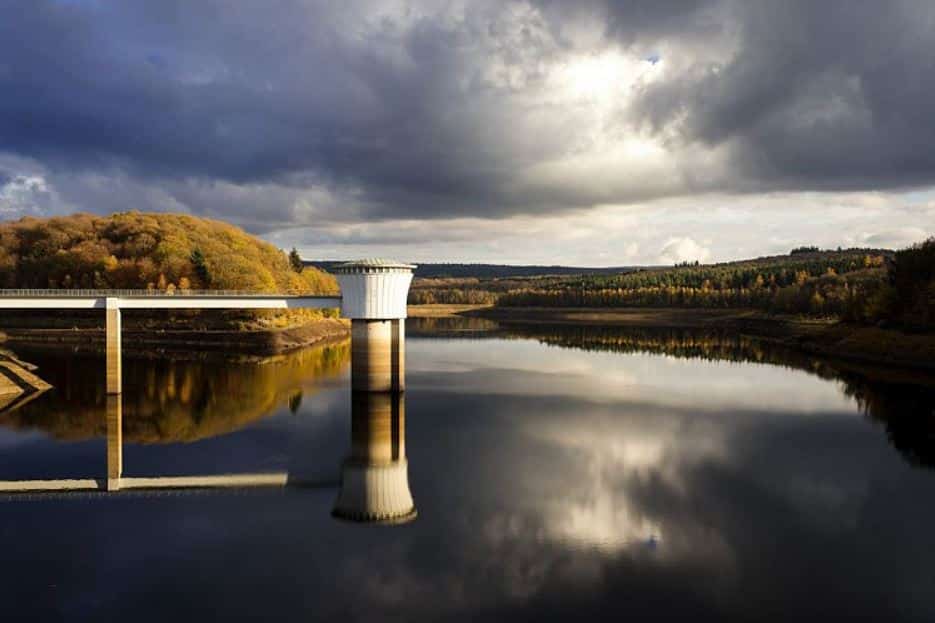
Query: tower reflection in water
[[375, 475]]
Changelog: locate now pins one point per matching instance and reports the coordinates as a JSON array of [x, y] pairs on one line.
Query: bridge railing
[[79, 292]]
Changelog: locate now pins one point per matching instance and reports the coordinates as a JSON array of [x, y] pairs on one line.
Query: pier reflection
[[182, 401], [375, 474], [172, 399], [114, 441]]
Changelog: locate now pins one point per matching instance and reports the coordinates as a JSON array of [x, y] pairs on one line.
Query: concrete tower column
[[112, 347], [375, 475], [373, 296]]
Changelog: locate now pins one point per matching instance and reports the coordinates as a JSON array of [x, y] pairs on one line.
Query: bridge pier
[[112, 330], [373, 296]]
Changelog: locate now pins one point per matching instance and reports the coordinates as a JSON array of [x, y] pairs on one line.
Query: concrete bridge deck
[[146, 299]]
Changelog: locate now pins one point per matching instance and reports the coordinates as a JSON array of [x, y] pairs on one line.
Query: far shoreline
[[823, 337]]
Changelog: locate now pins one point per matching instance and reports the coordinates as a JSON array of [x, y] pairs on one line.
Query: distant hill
[[137, 250], [432, 270], [848, 283], [741, 283], [492, 271], [796, 256]]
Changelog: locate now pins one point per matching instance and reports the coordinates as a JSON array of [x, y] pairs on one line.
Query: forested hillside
[[165, 252], [806, 280], [824, 283], [856, 285], [911, 286]]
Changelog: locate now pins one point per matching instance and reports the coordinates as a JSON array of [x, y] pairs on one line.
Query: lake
[[557, 473]]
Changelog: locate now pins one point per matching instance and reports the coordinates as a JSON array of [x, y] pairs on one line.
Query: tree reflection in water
[[172, 399], [902, 401]]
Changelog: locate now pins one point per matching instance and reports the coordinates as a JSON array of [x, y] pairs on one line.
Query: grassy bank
[[815, 336]]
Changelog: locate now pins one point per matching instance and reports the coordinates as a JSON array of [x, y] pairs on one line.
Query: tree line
[[864, 286], [856, 285]]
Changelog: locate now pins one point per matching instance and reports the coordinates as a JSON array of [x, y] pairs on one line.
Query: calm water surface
[[557, 472]]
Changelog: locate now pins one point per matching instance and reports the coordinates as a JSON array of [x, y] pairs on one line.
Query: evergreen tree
[[201, 269], [295, 260]]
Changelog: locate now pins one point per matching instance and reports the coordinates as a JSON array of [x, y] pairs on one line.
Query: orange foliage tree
[[137, 250]]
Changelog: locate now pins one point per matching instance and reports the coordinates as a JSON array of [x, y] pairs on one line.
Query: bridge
[[373, 296], [113, 301]]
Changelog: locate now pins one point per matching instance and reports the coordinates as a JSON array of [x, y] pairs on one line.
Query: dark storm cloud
[[178, 89], [425, 111], [641, 21], [820, 95]]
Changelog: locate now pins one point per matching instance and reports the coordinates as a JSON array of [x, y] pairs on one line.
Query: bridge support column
[[373, 296], [113, 348], [114, 442]]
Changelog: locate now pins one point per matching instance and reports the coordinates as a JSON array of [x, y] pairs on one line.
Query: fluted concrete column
[[373, 296], [112, 348], [375, 475], [114, 442]]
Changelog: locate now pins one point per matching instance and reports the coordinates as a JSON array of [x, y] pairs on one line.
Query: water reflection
[[901, 401], [174, 400], [451, 326], [552, 483], [375, 474], [114, 441], [170, 400], [374, 485]]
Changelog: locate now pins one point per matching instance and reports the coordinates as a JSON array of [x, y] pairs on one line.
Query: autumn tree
[[132, 250]]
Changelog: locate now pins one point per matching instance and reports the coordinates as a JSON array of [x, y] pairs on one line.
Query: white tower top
[[374, 289]]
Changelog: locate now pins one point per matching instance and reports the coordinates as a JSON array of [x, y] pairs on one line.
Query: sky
[[589, 133]]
